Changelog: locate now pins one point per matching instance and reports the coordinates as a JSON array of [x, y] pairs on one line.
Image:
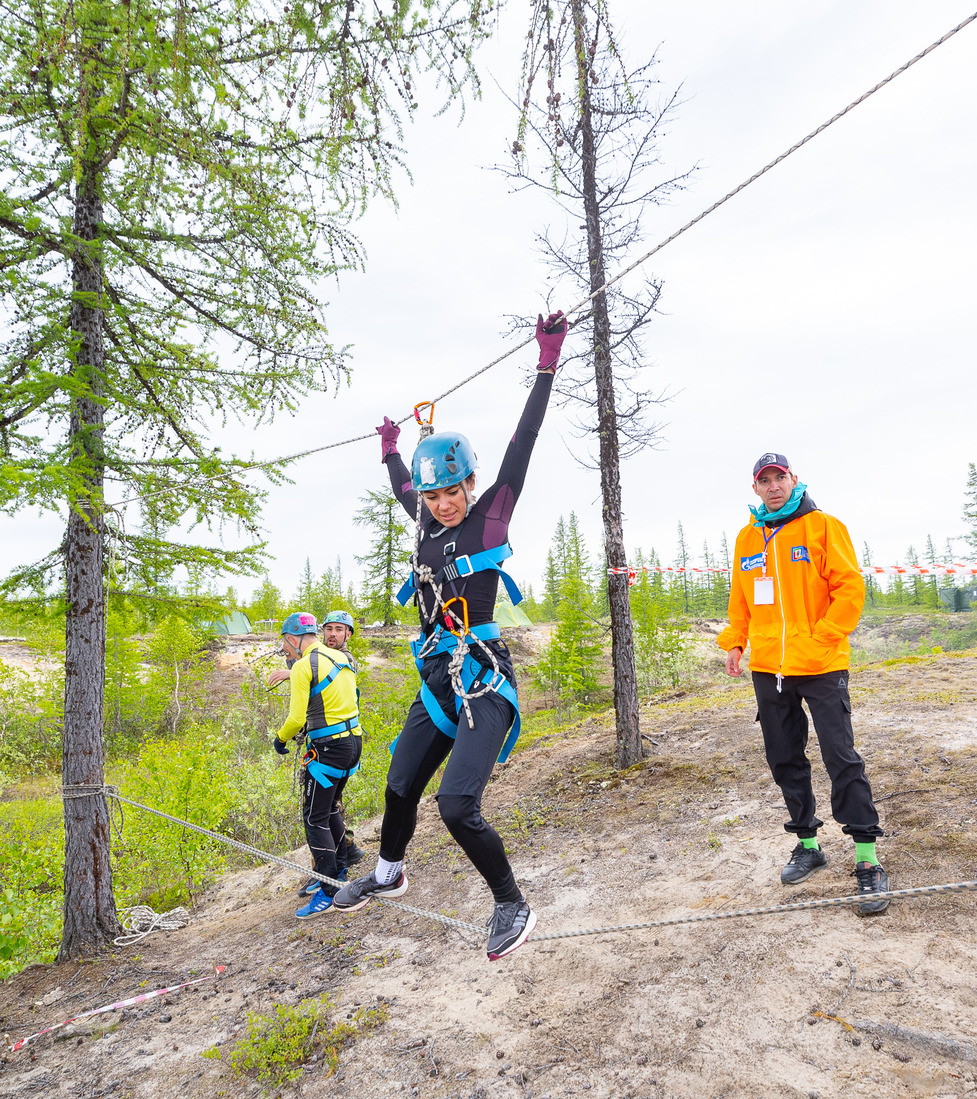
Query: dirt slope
[[816, 1003]]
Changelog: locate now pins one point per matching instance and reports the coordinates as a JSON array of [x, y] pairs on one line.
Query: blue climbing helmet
[[442, 460], [343, 617], [298, 623]]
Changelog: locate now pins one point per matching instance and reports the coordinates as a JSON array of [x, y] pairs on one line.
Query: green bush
[[158, 862], [31, 708], [31, 882]]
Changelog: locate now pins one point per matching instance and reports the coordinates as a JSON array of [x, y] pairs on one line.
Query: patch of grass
[[278, 1045]]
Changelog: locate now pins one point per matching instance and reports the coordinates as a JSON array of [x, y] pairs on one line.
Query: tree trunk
[[622, 630], [90, 918]]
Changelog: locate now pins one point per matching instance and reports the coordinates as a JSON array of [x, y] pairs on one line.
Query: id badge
[[763, 590]]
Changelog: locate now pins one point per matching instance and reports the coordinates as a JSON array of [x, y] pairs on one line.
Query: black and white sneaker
[[357, 893], [871, 879], [804, 861], [354, 853], [509, 928]]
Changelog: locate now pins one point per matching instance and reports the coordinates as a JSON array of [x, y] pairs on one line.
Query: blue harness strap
[[337, 667], [472, 674], [323, 774], [460, 567]]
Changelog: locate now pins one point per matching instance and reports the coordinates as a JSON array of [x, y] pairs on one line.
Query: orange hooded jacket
[[818, 596]]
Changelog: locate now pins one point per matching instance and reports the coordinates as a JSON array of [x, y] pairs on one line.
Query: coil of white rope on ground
[[141, 920], [244, 468]]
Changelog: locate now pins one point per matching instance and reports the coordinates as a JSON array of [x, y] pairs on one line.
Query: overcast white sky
[[827, 312]]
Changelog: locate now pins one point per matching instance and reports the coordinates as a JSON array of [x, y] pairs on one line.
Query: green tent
[[237, 622], [508, 616]]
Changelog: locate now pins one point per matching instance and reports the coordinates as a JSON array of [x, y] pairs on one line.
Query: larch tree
[[389, 555], [598, 125], [178, 182]]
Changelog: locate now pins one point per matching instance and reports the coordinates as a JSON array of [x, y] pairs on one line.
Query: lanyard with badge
[[763, 585]]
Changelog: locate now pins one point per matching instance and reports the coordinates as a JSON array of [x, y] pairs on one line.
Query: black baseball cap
[[778, 461]]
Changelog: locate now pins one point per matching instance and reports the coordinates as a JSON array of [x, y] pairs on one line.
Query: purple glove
[[549, 335], [389, 433]]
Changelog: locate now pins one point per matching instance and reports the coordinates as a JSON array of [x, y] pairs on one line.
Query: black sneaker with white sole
[[804, 861], [356, 894], [871, 879], [509, 928]]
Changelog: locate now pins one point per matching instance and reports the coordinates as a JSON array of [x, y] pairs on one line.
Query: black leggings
[[322, 815], [471, 755]]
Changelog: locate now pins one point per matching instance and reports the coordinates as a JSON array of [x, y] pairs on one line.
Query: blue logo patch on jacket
[[754, 562], [799, 553]]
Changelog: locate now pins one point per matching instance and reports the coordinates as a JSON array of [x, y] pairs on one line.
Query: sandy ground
[[812, 1003]]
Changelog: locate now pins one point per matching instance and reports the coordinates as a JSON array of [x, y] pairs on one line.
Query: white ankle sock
[[387, 872]]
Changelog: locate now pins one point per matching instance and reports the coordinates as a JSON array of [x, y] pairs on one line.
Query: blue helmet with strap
[[300, 622], [344, 618], [442, 460]]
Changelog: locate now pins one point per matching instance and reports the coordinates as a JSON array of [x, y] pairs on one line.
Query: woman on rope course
[[467, 703]]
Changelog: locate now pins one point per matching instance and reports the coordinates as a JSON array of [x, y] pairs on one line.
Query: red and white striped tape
[[631, 571], [142, 998]]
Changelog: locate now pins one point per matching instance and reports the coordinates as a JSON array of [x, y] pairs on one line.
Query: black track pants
[[322, 817], [471, 755], [785, 731]]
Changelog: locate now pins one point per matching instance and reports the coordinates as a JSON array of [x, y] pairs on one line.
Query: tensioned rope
[[81, 790], [620, 274]]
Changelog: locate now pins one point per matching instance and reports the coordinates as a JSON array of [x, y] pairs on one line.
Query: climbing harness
[[322, 772], [470, 678]]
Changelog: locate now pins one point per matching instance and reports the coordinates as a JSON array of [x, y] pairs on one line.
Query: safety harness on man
[[321, 772]]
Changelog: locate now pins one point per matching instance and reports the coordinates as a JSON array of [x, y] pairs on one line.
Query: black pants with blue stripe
[[322, 813], [422, 748]]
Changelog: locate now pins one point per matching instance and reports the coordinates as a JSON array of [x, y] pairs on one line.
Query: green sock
[[865, 852], [811, 843]]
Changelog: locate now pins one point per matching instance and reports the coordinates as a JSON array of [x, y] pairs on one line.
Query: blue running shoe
[[312, 885], [318, 906]]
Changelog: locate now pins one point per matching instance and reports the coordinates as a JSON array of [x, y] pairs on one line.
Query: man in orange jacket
[[796, 594]]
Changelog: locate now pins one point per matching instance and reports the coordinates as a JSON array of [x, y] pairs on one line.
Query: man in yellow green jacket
[[323, 705], [796, 593]]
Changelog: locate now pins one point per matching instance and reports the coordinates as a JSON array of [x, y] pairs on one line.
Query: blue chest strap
[[466, 565], [323, 683]]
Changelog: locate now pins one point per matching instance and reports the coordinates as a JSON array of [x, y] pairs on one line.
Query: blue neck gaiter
[[761, 515]]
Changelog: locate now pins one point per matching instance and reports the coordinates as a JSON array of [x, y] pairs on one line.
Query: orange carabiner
[[417, 413], [448, 619]]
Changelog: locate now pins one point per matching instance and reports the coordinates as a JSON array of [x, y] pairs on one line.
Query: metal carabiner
[[449, 618], [417, 413]]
